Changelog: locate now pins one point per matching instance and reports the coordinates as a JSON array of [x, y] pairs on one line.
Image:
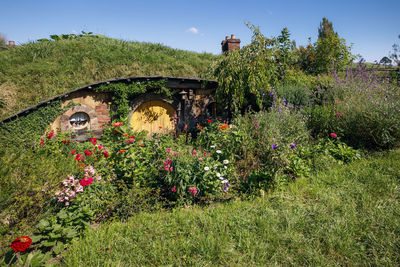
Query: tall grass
[[347, 215], [40, 70]]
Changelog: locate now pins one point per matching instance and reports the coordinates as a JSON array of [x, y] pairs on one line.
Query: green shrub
[[295, 94]]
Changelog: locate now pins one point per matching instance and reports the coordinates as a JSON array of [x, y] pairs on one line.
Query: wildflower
[[82, 165], [130, 140], [223, 126], [185, 128], [21, 243], [338, 114], [274, 146], [160, 127], [171, 169], [206, 168], [218, 174], [194, 152], [100, 147], [106, 154], [212, 147], [293, 145], [50, 135], [168, 150], [333, 135], [141, 145], [73, 151], [93, 141], [86, 181], [226, 186], [271, 94], [256, 124], [209, 121], [121, 151], [41, 142], [88, 153], [125, 134], [117, 124], [225, 161], [219, 151], [200, 127], [200, 159], [78, 157], [193, 190], [64, 141], [173, 189]]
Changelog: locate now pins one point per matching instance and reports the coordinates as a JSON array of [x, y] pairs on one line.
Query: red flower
[[125, 134], [78, 157], [106, 154], [82, 165], [121, 151], [209, 121], [338, 114], [333, 135], [50, 135], [21, 243], [63, 141], [88, 153], [141, 145], [86, 181], [173, 189], [41, 142], [93, 140], [73, 151]]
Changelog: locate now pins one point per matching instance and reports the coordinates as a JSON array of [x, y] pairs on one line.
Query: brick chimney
[[230, 44]]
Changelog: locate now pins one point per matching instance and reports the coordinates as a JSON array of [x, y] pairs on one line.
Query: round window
[[79, 120]]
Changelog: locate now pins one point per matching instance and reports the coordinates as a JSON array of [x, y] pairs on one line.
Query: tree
[[246, 76], [395, 53], [331, 52], [385, 61], [3, 41], [325, 29]]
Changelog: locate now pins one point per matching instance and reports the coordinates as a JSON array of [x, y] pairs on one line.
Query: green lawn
[[346, 215]]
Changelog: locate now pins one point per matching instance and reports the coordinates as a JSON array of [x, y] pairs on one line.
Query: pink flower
[[86, 181], [200, 159], [101, 147], [193, 190], [173, 189], [185, 128], [338, 114], [106, 154], [169, 150], [171, 169], [333, 135]]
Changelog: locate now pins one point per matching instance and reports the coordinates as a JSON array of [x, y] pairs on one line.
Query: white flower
[[224, 181], [221, 178], [215, 166], [218, 175], [225, 167], [219, 151], [206, 168], [226, 161], [212, 147]]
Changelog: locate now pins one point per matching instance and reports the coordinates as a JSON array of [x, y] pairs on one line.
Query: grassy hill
[[39, 70]]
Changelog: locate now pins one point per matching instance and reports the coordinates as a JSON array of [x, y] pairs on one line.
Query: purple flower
[[256, 124], [226, 187], [274, 146], [271, 94], [293, 145]]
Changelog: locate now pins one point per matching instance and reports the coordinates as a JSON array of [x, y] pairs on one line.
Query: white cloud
[[193, 30]]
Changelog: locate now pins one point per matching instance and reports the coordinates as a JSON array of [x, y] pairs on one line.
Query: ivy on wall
[[25, 130], [123, 92]]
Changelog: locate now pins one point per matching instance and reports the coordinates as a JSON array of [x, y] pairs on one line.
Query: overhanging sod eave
[[171, 82]]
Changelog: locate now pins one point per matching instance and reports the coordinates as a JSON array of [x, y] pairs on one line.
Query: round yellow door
[[154, 116]]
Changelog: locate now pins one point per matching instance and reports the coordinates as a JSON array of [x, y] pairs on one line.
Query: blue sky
[[371, 26]]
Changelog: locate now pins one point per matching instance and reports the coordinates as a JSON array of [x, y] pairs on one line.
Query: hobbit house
[[87, 110]]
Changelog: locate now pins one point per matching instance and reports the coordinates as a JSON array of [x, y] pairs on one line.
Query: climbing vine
[[123, 92], [25, 130]]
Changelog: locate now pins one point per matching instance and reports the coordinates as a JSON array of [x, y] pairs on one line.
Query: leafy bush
[[364, 111], [296, 94]]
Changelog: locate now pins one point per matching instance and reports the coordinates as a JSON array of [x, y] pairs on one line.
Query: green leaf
[[59, 248], [48, 243], [43, 224], [36, 238]]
